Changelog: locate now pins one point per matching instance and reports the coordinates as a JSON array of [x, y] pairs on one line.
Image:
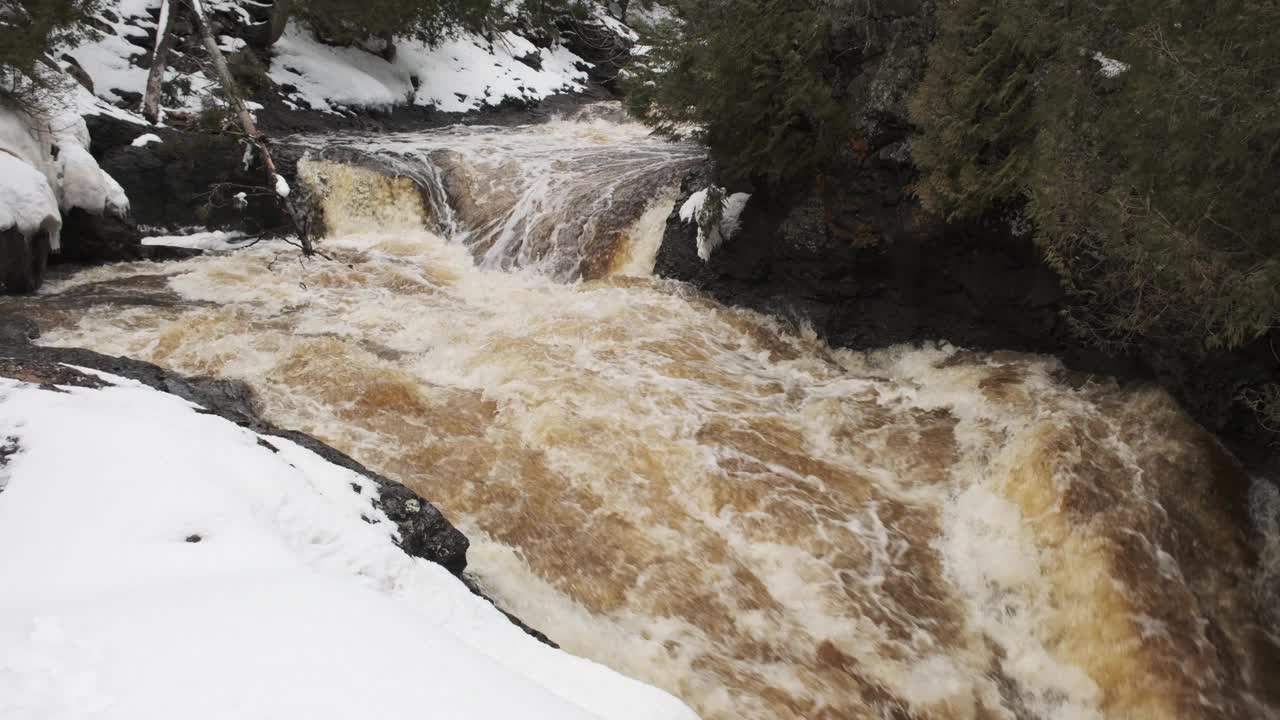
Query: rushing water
[[562, 197], [702, 499]]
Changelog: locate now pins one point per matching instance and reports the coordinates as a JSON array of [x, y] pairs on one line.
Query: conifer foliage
[[758, 81], [28, 29], [427, 20], [1143, 138]]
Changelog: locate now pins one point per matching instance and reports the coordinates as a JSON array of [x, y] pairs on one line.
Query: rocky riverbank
[[854, 254], [977, 286], [423, 530]]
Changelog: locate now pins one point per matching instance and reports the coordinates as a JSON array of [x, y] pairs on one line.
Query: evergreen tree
[[1144, 139], [427, 20], [758, 82], [29, 29]]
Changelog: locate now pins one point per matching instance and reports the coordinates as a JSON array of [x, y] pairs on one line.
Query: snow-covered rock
[[46, 169], [26, 200], [161, 562], [712, 236]]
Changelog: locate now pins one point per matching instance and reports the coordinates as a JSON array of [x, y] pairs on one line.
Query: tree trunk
[[279, 19], [155, 76], [236, 100]]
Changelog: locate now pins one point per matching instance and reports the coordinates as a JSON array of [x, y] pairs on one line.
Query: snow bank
[[26, 200], [329, 77], [461, 74], [158, 562], [46, 168]]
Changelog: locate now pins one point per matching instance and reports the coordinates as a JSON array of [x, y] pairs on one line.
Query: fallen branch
[[234, 97]]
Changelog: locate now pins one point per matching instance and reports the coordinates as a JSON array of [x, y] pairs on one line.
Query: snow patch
[[144, 140], [112, 57], [47, 169], [26, 200], [709, 238], [154, 557], [460, 74], [211, 241], [1110, 67]]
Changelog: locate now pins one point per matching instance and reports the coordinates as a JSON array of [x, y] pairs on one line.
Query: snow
[[87, 186], [210, 241], [82, 182], [28, 179], [282, 186], [26, 200], [730, 220], [464, 73], [112, 57], [329, 77], [160, 562], [144, 140], [36, 184], [461, 74], [1109, 67]]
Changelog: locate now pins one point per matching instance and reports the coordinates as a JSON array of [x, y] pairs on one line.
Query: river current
[[699, 496]]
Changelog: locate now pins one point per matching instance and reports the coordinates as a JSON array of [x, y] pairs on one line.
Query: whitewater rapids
[[710, 502]]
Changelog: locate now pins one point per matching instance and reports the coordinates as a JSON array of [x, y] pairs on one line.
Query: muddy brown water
[[694, 495]]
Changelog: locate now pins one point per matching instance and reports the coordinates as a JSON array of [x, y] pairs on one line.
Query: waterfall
[[704, 499], [564, 197]]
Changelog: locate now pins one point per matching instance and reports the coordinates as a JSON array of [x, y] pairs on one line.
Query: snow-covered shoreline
[[159, 560]]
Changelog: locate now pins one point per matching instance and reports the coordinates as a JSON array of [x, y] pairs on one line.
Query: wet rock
[[189, 178], [89, 237], [47, 374], [866, 271], [855, 255]]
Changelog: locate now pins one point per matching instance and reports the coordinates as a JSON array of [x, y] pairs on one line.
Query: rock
[[868, 269], [189, 178], [532, 59], [424, 532], [88, 237], [605, 50]]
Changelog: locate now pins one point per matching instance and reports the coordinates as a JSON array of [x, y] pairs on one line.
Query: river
[[699, 496]]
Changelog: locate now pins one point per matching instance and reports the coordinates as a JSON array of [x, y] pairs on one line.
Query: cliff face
[[854, 254]]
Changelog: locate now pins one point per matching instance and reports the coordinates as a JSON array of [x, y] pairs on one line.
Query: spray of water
[[560, 197]]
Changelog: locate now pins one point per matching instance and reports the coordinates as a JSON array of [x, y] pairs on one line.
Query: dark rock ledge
[[424, 531]]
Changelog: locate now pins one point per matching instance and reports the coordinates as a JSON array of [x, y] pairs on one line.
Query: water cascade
[[701, 498]]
